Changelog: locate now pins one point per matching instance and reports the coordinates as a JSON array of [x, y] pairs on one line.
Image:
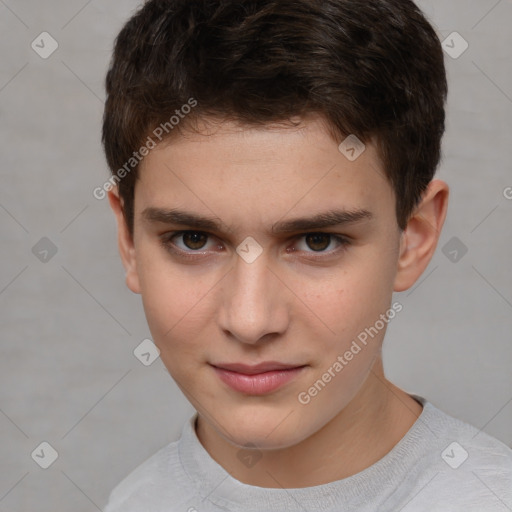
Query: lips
[[258, 379], [267, 366]]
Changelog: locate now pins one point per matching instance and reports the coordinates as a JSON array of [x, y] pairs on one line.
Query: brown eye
[[194, 239], [318, 241]]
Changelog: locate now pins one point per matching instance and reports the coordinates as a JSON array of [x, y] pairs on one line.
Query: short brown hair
[[372, 68]]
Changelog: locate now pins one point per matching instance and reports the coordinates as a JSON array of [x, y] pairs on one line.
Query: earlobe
[[420, 237], [125, 242]]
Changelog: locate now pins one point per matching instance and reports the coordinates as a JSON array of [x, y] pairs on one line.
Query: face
[[329, 242]]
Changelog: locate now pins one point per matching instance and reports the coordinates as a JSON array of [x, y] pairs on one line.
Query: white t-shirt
[[441, 464]]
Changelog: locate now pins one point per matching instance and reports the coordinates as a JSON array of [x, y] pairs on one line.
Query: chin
[[264, 429]]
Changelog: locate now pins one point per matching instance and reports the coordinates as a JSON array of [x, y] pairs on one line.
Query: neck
[[360, 435]]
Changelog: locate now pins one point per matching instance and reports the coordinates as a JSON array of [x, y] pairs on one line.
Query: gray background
[[68, 374]]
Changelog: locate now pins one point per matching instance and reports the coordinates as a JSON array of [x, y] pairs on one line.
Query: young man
[[273, 164]]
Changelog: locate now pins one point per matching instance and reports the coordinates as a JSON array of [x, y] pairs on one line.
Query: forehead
[[261, 172]]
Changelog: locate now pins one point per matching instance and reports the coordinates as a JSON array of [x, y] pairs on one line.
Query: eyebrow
[[321, 220], [174, 216]]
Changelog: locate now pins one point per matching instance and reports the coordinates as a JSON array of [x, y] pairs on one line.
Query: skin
[[293, 304]]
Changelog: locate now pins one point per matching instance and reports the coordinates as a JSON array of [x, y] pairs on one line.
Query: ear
[[125, 242], [420, 237]]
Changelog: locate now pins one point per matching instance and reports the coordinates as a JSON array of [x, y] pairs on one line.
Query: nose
[[254, 302]]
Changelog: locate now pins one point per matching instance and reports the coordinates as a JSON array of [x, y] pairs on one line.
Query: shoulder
[[143, 478], [462, 468], [155, 484], [466, 446]]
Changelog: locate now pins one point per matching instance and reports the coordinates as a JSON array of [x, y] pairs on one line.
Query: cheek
[[177, 304], [350, 300], [350, 305]]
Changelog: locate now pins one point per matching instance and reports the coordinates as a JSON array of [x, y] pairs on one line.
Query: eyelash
[[166, 241]]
